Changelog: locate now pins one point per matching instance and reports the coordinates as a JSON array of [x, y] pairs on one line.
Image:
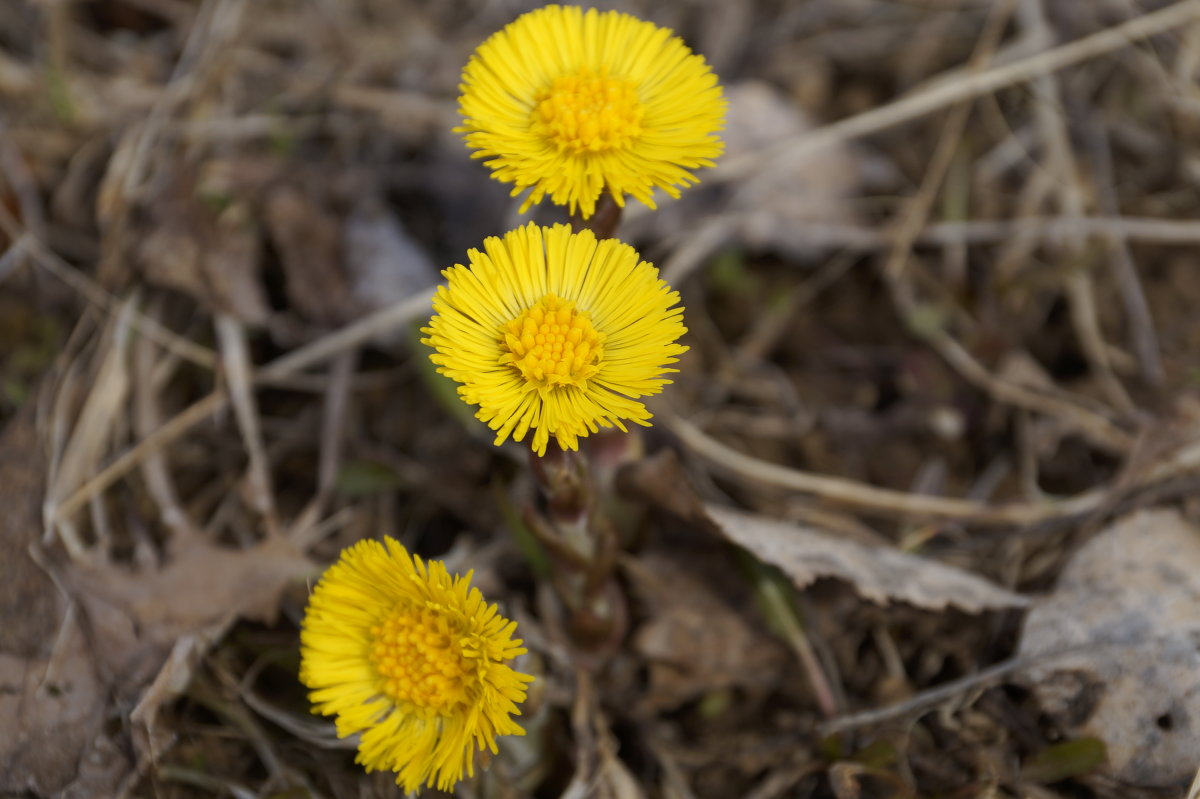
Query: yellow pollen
[[588, 112], [552, 344], [420, 660]]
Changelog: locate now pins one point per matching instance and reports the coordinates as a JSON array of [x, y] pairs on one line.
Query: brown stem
[[584, 546], [603, 221], [566, 483]]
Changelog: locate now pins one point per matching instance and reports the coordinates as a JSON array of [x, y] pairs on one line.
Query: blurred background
[[947, 265]]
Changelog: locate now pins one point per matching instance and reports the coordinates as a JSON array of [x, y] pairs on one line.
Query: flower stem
[[604, 221], [583, 545]]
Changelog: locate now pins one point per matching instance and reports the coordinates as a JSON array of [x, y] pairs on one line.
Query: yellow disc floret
[[419, 659], [588, 112], [552, 344]]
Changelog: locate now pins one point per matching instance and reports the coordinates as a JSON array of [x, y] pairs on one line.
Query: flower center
[[588, 112], [420, 659], [552, 344]]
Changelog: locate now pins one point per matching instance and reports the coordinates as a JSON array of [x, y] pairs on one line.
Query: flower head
[[573, 103], [413, 660], [555, 332]]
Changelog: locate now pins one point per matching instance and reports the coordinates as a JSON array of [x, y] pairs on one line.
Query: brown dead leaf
[[53, 709], [844, 780], [150, 628], [28, 609], [192, 229], [879, 574], [806, 553], [200, 586], [107, 392], [171, 680], [204, 245], [1131, 598], [599, 772], [660, 481], [51, 698], [307, 238], [693, 641]]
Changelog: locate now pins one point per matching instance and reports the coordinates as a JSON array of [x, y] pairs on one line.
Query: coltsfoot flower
[[571, 103], [555, 332], [411, 659]]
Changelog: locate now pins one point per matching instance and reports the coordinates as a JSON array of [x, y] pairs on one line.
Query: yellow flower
[[570, 104], [411, 659], [556, 332]]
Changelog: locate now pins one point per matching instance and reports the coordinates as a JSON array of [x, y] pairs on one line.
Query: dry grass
[[941, 295]]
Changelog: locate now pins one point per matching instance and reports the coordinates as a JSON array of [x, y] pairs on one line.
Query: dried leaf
[[880, 574], [659, 480], [53, 709], [806, 553], [1129, 600], [844, 780], [92, 432], [204, 245], [52, 699], [693, 641], [151, 628], [201, 585], [307, 238], [28, 606], [171, 681]]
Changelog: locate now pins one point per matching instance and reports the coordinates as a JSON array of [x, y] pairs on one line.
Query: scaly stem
[[583, 545]]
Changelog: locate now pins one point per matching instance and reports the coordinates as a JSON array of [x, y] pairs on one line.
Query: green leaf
[[535, 554], [364, 478], [715, 704], [1065, 760], [728, 273], [876, 755], [926, 320], [832, 747]]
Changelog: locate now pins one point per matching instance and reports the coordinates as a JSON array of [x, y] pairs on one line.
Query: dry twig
[[240, 374], [883, 501], [1096, 427], [351, 336], [1063, 178], [1144, 338], [964, 87]]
